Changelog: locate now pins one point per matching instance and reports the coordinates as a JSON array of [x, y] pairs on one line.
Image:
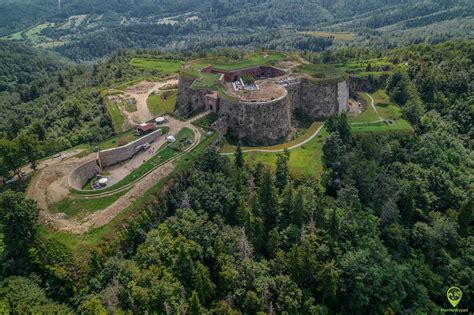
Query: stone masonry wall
[[112, 156], [189, 100], [81, 175], [321, 100], [255, 123], [342, 95]]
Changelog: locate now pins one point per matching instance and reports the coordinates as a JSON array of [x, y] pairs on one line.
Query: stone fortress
[[256, 104]]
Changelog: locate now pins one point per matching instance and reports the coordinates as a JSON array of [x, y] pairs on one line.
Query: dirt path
[[281, 150], [50, 185], [140, 92], [372, 103]]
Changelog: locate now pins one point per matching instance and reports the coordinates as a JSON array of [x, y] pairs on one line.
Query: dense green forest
[[385, 230], [87, 30]]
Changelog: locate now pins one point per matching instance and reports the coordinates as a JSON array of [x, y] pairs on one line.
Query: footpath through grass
[[228, 148]]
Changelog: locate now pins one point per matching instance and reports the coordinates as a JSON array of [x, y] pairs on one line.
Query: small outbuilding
[[145, 128]]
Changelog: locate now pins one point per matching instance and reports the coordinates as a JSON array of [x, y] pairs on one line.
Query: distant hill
[[90, 29], [21, 64]]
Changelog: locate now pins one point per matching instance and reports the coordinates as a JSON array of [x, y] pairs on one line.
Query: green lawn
[[400, 125], [123, 138], [256, 59], [115, 115], [228, 148], [319, 72], [368, 115], [162, 65], [130, 107], [80, 207], [162, 102], [304, 161]]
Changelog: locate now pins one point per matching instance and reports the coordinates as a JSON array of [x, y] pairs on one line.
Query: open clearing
[[162, 102], [163, 65]]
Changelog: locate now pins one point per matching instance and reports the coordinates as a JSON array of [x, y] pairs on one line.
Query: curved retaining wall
[[116, 155], [81, 175], [256, 123]]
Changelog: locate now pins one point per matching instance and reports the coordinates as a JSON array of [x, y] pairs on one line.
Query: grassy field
[[338, 36], [115, 115], [304, 160], [256, 59], [130, 107], [123, 138], [78, 208], [321, 72], [162, 102], [162, 65], [228, 148]]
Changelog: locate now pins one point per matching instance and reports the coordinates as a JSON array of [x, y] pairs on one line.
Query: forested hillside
[[87, 30], [387, 229]]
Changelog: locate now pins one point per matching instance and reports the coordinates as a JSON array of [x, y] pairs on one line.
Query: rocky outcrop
[[257, 123]]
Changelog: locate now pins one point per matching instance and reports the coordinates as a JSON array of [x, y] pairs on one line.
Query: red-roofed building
[[145, 128]]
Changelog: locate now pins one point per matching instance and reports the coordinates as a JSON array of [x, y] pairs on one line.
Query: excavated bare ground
[[140, 92], [50, 185], [268, 90]]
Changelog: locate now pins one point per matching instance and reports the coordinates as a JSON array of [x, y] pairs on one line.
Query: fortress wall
[[342, 95], [220, 125], [189, 100], [294, 94], [322, 100], [255, 123], [81, 175], [112, 156]]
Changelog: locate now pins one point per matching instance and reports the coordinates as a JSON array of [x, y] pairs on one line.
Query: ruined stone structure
[[262, 117]]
